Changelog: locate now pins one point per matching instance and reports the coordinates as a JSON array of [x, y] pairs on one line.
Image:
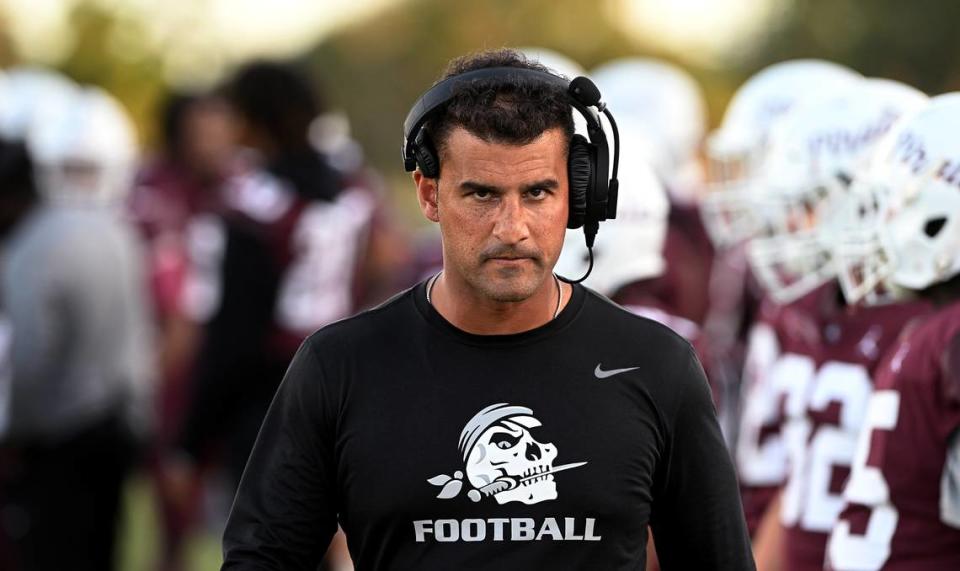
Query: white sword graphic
[[505, 483]]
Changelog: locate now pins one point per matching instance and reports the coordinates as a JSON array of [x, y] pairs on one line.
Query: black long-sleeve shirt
[[439, 449]]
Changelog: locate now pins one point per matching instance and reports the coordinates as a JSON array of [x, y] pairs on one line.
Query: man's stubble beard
[[509, 289]]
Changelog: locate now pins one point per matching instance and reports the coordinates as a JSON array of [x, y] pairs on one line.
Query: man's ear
[[427, 190]]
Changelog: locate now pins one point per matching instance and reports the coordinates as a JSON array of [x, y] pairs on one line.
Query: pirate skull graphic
[[503, 459]]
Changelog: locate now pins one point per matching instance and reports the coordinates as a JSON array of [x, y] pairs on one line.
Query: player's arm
[[768, 541], [697, 517], [285, 514], [950, 481]]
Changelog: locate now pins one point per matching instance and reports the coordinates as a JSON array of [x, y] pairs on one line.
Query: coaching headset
[[593, 197]]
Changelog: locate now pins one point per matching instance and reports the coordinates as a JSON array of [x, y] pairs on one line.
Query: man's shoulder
[[378, 324], [635, 330], [621, 318]]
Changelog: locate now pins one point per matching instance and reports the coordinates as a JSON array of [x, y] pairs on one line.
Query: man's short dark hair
[[510, 110]]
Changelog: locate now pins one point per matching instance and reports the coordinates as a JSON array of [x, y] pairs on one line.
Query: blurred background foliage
[[375, 60], [373, 66]]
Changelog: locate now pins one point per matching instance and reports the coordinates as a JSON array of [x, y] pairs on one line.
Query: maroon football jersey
[[824, 376], [314, 247], [892, 518], [165, 199]]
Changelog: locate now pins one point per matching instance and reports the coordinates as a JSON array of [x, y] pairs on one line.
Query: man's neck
[[470, 311]]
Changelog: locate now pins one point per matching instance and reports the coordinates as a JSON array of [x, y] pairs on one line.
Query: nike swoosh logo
[[601, 374]]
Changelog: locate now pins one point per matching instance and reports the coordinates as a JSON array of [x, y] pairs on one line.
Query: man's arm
[[285, 511], [697, 517]]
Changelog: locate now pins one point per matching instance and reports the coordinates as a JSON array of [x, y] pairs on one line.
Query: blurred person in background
[[81, 364], [177, 185], [826, 350], [17, 197], [384, 266], [663, 107], [664, 113], [739, 334], [281, 258], [901, 504]]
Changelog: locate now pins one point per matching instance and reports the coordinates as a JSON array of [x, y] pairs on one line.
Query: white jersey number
[[317, 287], [868, 487], [761, 458], [817, 449]]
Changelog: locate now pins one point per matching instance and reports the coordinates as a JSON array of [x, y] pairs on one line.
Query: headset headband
[[443, 92]]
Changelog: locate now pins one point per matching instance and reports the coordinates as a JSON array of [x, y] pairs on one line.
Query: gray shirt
[[73, 291]]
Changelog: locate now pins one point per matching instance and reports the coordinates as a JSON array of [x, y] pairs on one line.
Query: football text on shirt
[[505, 529]]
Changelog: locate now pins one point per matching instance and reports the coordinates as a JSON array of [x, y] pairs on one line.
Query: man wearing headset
[[495, 416]]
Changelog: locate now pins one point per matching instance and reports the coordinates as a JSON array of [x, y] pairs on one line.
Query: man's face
[[502, 211]]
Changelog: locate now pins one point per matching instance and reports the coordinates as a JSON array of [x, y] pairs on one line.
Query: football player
[[820, 380], [81, 351], [736, 151], [902, 501], [629, 252], [279, 260], [662, 107], [175, 186]]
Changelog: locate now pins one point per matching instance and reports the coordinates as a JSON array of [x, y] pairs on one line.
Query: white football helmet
[[664, 104], [27, 96], [628, 248], [85, 149], [736, 150], [814, 155], [562, 65], [904, 234]]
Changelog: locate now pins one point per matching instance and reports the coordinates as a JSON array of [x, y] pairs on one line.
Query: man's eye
[[537, 193]]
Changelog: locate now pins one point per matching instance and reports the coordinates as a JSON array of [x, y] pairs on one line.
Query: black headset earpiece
[[593, 197], [580, 175], [426, 155]]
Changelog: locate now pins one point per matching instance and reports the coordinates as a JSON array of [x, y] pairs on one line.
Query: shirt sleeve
[[697, 517], [285, 512]]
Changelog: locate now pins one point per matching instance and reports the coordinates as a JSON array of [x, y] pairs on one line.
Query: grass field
[[139, 540]]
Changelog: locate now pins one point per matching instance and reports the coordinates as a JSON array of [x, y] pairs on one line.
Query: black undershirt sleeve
[[285, 512], [697, 518]]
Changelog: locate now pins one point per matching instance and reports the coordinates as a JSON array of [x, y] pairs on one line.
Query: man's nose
[[511, 225]]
